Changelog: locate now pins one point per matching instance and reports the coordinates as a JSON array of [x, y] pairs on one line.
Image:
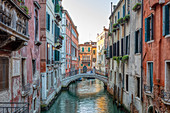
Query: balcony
[[13, 26], [58, 13], [58, 42], [148, 90], [26, 89], [14, 107], [165, 95]]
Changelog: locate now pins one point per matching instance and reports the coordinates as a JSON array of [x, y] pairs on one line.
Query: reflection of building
[[69, 53], [87, 55], [101, 50], [50, 49]]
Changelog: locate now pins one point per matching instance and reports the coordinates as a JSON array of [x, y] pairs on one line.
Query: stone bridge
[[66, 81]]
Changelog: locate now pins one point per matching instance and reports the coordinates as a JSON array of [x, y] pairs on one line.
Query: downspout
[[142, 53]]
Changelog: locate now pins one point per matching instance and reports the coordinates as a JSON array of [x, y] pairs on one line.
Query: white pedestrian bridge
[[66, 81]]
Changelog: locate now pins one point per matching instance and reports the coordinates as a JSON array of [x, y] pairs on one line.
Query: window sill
[[137, 54], [150, 41], [167, 36], [137, 98]]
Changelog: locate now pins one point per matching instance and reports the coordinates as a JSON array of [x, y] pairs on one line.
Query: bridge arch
[[67, 81]]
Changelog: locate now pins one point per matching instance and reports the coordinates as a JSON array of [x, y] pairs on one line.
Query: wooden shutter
[[152, 28], [122, 46], [129, 45], [166, 20], [123, 10], [136, 42], [151, 76], [140, 40], [118, 15], [147, 29]]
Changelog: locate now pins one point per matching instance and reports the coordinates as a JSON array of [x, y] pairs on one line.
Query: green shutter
[[123, 10], [147, 29], [152, 28], [82, 49], [88, 64], [57, 55], [81, 64], [88, 49], [151, 77], [165, 20], [140, 40], [46, 20], [118, 15]]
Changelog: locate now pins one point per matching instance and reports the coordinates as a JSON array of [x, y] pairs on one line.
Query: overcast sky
[[89, 16]]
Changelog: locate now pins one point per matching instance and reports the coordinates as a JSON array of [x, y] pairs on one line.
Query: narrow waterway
[[87, 96]]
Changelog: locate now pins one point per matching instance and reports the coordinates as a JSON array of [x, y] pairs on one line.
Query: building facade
[[20, 54], [156, 58], [125, 80], [51, 38], [69, 54], [101, 51]]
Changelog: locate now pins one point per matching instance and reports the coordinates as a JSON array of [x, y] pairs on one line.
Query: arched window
[[36, 25]]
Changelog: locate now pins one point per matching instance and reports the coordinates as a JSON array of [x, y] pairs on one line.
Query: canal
[[87, 96]]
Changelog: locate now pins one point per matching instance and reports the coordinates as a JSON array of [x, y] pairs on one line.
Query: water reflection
[[87, 96]]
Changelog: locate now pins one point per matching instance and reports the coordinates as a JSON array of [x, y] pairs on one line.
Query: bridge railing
[[101, 72], [71, 73]]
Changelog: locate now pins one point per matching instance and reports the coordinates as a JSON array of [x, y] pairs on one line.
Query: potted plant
[[114, 29], [110, 34], [120, 21], [115, 25], [126, 18], [105, 51], [25, 8], [125, 58], [136, 7]]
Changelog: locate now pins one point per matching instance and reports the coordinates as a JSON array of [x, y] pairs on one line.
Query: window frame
[[148, 81], [167, 61]]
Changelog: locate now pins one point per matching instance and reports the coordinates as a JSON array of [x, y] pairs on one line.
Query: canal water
[[87, 96]]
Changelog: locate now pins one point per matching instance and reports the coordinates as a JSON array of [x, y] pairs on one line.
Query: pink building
[[20, 55]]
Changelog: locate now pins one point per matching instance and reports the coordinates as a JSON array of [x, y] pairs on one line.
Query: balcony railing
[[165, 95], [147, 89], [14, 107], [13, 25], [58, 42]]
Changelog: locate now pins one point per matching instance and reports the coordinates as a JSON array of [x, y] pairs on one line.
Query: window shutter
[[110, 51], [122, 46], [165, 20], [46, 20], [136, 42], [129, 46], [123, 10], [115, 49], [147, 29], [118, 15], [140, 40], [151, 77], [152, 27]]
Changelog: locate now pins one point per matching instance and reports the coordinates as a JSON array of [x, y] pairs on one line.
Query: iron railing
[[14, 107], [71, 73], [165, 95]]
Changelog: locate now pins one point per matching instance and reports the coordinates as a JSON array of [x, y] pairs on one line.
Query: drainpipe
[[142, 53]]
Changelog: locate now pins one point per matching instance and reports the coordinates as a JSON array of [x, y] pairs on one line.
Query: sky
[[90, 16]]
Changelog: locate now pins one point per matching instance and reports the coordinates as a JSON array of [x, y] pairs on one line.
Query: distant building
[[101, 50], [69, 53], [87, 55]]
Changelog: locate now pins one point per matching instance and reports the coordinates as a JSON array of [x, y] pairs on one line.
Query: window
[[34, 103], [138, 87], [33, 66], [127, 45], [36, 25], [150, 75], [166, 20], [167, 76], [110, 52], [53, 1], [47, 21], [4, 73], [110, 75], [52, 79], [122, 46], [149, 28], [118, 15], [88, 64], [94, 52], [138, 41], [128, 7], [88, 49], [82, 49], [123, 10], [81, 64], [23, 71], [127, 83], [57, 55], [117, 48], [47, 81]]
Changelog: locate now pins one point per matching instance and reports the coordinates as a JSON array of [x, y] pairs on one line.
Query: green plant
[[117, 59], [115, 25], [110, 34], [105, 51], [114, 58], [137, 6], [124, 58], [114, 29], [25, 7], [19, 1], [126, 18], [120, 20]]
